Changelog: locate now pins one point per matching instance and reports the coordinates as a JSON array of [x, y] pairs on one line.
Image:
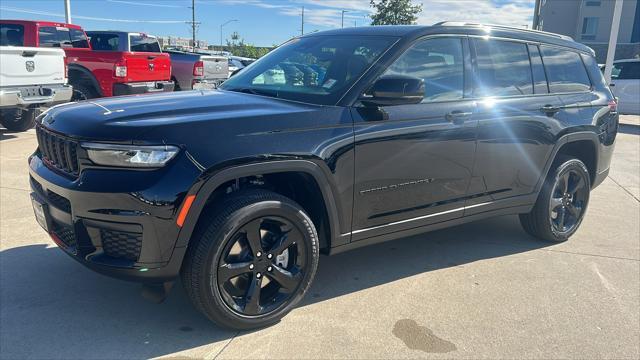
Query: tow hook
[[156, 292]]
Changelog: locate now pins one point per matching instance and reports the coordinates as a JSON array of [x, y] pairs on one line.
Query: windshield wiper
[[263, 92]]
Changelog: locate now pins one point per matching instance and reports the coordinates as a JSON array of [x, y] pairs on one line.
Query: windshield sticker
[[329, 83]]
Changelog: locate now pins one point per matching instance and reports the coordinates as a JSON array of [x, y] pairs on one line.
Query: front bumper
[[142, 87], [120, 223], [25, 96]]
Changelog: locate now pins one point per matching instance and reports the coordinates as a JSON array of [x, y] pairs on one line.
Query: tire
[[19, 119], [83, 91], [222, 269], [562, 202]]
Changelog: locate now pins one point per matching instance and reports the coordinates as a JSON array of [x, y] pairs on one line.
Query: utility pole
[[193, 23], [302, 28], [613, 40], [67, 11]]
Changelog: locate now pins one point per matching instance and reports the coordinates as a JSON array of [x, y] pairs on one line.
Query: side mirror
[[394, 90]]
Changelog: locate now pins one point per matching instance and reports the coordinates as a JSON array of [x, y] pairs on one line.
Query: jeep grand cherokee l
[[333, 141]]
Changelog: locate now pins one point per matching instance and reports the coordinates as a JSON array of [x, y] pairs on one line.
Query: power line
[[45, 13]]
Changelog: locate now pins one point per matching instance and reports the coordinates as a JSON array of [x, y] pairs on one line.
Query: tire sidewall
[[213, 301], [19, 119], [563, 168]]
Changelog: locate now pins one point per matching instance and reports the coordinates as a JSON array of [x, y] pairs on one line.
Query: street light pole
[[342, 21], [221, 26], [67, 11], [613, 40]]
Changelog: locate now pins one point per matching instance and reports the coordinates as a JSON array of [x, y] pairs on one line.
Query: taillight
[[613, 105], [120, 69], [66, 70], [198, 68]]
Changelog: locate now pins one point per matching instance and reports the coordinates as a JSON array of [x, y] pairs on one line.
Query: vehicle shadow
[[630, 129], [52, 307], [6, 134]]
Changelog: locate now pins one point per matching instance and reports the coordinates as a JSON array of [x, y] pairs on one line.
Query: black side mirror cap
[[395, 90]]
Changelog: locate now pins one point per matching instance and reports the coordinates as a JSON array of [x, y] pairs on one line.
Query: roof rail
[[513, 28]]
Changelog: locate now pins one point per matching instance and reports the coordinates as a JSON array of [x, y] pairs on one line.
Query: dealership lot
[[484, 289]]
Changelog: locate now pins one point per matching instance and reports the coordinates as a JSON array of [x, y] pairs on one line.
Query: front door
[[413, 162]]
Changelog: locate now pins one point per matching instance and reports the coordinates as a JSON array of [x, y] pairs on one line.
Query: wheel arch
[[85, 73], [304, 170], [581, 145]]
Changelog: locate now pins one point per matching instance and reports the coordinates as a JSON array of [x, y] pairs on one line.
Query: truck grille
[[58, 151]]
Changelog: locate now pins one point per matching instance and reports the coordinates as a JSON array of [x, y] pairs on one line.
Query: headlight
[[130, 155]]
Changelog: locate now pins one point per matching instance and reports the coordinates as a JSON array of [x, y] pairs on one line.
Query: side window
[[629, 70], [11, 35], [503, 69], [537, 69], [105, 42], [78, 39], [565, 70], [439, 62]]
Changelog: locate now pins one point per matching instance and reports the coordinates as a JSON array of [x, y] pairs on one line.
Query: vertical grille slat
[[59, 152]]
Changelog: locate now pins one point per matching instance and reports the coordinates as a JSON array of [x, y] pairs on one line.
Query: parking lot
[[482, 290]]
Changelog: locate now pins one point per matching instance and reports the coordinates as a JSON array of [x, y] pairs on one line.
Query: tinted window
[[315, 69], [78, 39], [11, 35], [565, 70], [104, 42], [439, 62], [49, 36], [626, 71], [143, 43], [503, 69], [537, 69]]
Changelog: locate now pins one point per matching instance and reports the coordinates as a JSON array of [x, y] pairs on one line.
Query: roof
[[42, 23], [416, 31]]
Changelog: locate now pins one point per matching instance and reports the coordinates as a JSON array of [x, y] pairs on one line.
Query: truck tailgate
[[215, 67], [31, 66], [143, 66]]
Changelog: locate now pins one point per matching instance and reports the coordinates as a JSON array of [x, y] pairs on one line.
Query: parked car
[[30, 78], [406, 129], [131, 64], [237, 63], [197, 71], [625, 84]]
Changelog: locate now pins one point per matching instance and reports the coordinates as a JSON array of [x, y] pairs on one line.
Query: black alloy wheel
[[568, 201], [262, 266]]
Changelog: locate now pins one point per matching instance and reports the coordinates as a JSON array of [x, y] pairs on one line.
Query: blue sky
[[260, 22]]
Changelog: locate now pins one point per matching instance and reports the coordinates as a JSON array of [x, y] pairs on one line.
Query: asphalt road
[[482, 290]]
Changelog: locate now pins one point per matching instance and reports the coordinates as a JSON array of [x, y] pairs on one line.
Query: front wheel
[[562, 202], [252, 261]]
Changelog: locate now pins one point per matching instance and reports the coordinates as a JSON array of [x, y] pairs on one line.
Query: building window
[[592, 3], [589, 28]]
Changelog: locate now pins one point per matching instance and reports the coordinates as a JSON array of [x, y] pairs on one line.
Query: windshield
[[316, 69]]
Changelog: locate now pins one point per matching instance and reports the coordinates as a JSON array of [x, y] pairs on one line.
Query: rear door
[[625, 84], [515, 132], [145, 60]]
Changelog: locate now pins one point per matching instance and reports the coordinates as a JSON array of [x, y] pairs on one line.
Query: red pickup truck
[[111, 63]]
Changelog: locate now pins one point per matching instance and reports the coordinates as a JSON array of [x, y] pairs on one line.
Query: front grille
[[59, 201], [121, 244], [58, 151], [65, 234]]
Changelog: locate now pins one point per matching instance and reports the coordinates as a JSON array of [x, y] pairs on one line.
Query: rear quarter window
[[143, 44], [11, 35], [565, 70]]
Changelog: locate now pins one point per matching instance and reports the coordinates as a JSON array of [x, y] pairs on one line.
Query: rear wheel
[[18, 119], [562, 202], [253, 261], [83, 91]]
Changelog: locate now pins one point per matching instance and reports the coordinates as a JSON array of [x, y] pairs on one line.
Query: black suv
[[333, 141]]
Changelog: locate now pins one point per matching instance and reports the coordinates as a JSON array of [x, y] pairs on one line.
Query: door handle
[[150, 57], [550, 109], [457, 117]]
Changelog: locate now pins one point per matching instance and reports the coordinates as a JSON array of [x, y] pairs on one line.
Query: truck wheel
[[19, 119], [83, 91], [252, 261], [562, 202]]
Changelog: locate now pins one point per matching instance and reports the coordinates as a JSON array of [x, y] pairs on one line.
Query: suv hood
[[128, 118]]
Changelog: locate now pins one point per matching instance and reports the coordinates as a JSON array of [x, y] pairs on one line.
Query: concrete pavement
[[482, 290]]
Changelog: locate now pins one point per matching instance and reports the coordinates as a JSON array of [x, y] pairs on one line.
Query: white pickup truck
[[30, 78]]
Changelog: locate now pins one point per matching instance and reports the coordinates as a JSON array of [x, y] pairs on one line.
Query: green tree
[[395, 12]]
